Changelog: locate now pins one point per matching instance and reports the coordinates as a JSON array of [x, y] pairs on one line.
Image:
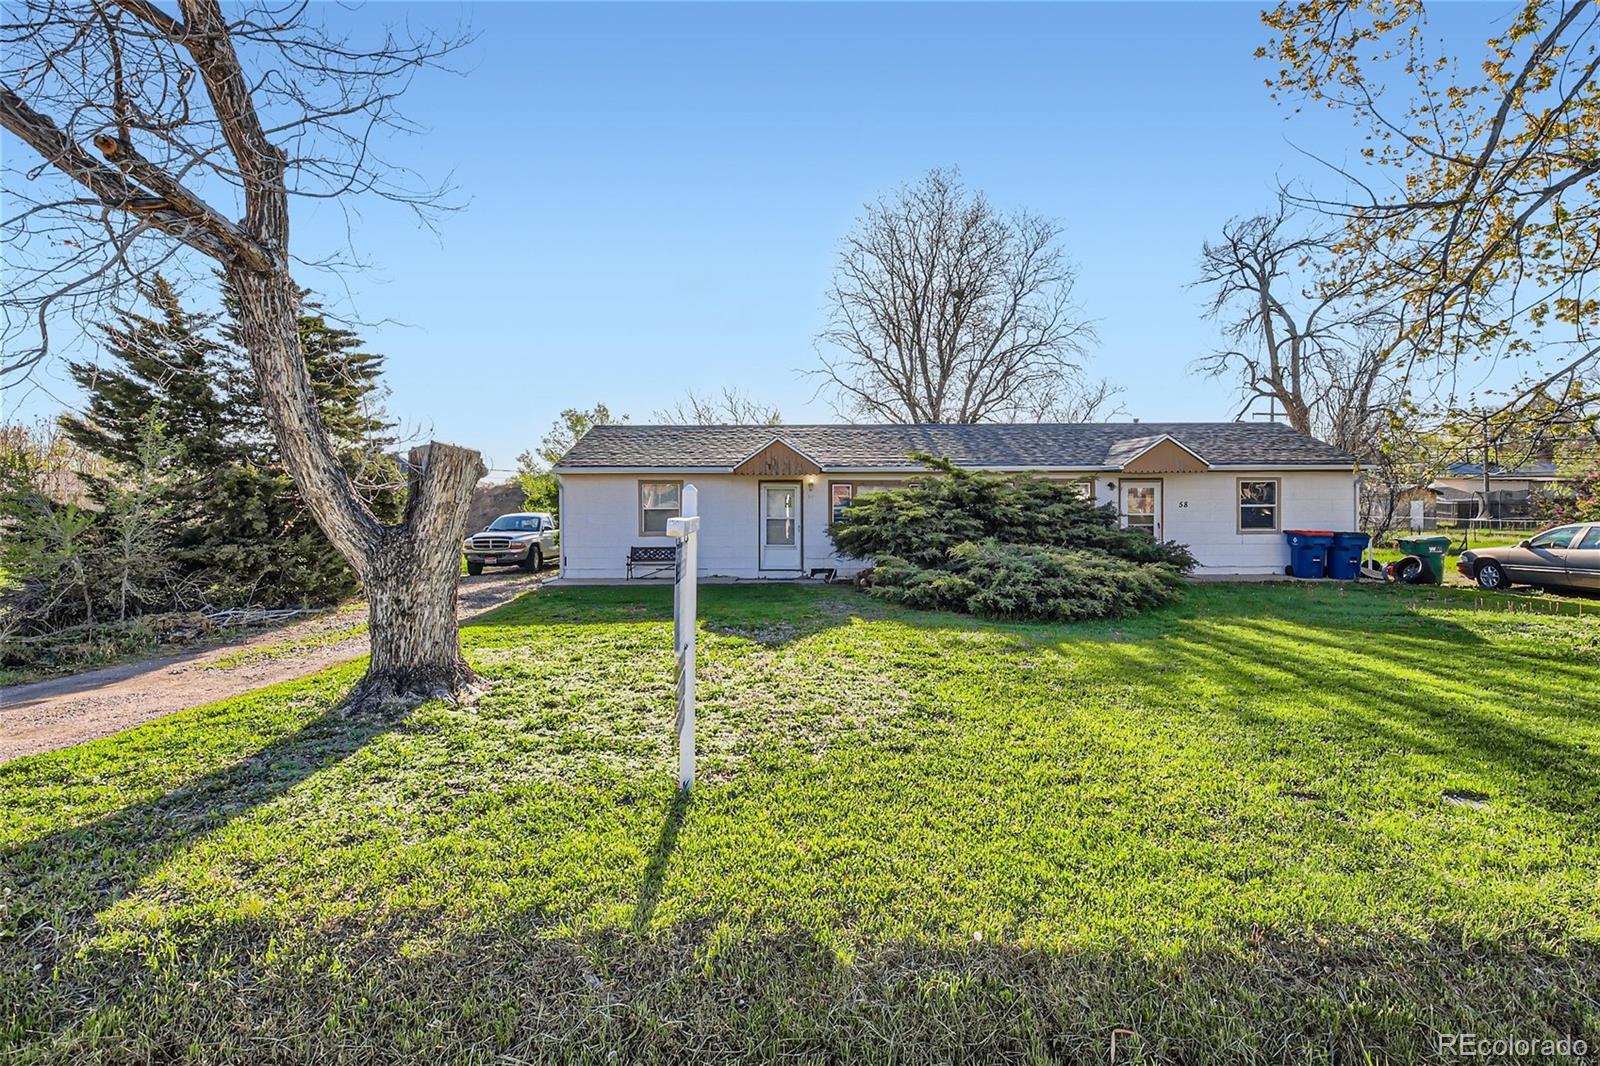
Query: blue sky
[[655, 193]]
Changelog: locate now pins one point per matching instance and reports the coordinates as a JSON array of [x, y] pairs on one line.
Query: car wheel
[[1491, 575], [473, 568], [533, 561], [1410, 571]]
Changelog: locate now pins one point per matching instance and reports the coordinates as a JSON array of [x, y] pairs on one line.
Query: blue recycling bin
[[1344, 555], [1308, 551]]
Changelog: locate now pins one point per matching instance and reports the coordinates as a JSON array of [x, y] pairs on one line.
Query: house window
[[658, 501], [780, 514], [1258, 505], [840, 493]]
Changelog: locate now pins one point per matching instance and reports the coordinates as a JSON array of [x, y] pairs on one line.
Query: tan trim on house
[[638, 499], [1166, 456], [778, 460], [1238, 506]]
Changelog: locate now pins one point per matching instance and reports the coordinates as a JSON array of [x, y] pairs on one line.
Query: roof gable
[[777, 458], [1162, 455]]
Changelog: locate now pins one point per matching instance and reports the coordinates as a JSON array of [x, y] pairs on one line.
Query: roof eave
[[1052, 468], [562, 468]]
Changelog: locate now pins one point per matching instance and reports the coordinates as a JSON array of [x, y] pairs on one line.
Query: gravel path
[[45, 715]]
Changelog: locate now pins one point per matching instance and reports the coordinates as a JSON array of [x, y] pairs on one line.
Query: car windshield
[[1556, 538], [516, 523]]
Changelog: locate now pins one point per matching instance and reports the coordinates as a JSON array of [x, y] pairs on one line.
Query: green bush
[[67, 565], [1005, 547]]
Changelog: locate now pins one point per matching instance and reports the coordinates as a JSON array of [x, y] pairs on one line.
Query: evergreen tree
[[167, 362], [65, 565], [264, 539], [133, 559], [242, 531], [346, 378]]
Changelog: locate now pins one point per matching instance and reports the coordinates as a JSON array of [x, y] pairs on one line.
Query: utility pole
[[1271, 413]]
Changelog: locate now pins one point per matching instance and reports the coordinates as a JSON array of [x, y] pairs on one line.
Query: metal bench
[[652, 561]]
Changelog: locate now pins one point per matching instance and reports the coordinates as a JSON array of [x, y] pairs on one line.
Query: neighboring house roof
[[1528, 472], [1082, 446]]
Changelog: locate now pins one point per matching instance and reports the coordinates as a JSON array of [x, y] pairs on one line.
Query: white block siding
[[600, 519], [1209, 524], [600, 522]]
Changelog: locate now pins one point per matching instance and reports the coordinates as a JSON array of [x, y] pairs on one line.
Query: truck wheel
[[534, 560], [474, 568], [1491, 575]]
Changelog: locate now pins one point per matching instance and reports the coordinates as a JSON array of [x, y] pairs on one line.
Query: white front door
[[780, 526], [1141, 507]]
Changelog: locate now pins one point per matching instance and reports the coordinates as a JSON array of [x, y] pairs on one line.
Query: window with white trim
[[840, 493], [658, 501], [1258, 505]]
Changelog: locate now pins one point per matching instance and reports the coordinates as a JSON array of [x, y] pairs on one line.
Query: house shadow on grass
[[777, 612]]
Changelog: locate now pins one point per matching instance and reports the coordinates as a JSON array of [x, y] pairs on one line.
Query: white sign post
[[685, 531]]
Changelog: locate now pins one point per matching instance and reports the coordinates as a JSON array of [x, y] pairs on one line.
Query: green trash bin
[[1430, 550]]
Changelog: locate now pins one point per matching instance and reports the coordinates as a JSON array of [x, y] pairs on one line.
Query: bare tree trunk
[[411, 583], [311, 84], [269, 329], [409, 572]]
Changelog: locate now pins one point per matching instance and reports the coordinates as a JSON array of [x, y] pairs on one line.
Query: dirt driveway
[[46, 715]]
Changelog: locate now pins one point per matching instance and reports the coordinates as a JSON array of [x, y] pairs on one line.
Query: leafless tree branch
[[945, 310]]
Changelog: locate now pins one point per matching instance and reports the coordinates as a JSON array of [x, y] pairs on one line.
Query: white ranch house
[[768, 493]]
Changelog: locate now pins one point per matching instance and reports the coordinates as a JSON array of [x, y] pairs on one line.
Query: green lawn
[[1274, 823]]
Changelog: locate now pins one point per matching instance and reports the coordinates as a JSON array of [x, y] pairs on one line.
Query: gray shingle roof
[[1095, 445], [1525, 471]]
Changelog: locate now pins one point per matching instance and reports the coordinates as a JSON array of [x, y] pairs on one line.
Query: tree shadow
[[1404, 696], [61, 881], [655, 871]]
